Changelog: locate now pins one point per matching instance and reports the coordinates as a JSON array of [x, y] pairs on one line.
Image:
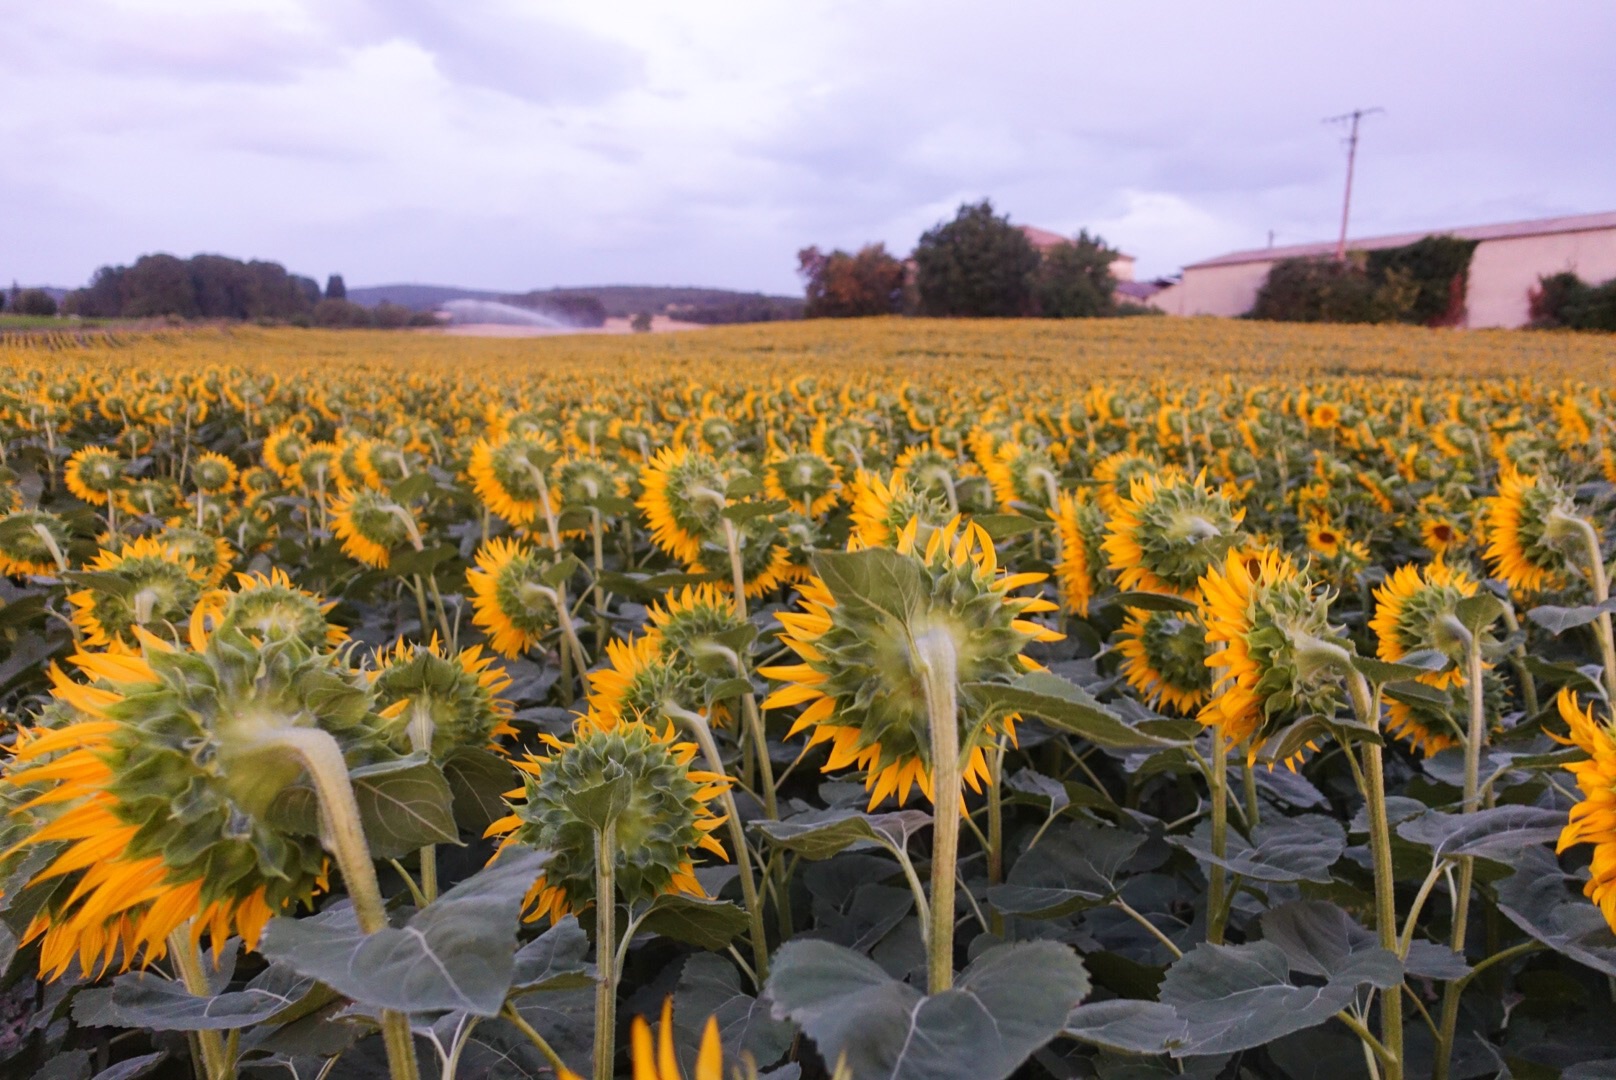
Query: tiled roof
[[1043, 238], [1540, 227]]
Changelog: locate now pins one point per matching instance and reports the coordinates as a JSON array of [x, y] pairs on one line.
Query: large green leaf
[[1235, 997], [404, 805], [1008, 1003], [1067, 872], [873, 582], [1409, 667], [710, 986], [1128, 1025], [1283, 849], [1151, 601], [820, 834], [1547, 904], [1319, 938], [477, 781], [555, 960], [1499, 832], [145, 1000], [1557, 620], [1066, 706], [455, 954], [707, 924]]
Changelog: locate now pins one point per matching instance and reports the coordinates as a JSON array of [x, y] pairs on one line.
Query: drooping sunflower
[[1593, 820], [806, 480], [683, 500], [507, 476], [211, 555], [214, 474], [170, 729], [929, 470], [1165, 659], [639, 678], [510, 600], [1024, 476], [283, 448], [1410, 607], [1115, 473], [268, 607], [881, 510], [1258, 606], [664, 822], [430, 701], [371, 525], [1520, 546], [1168, 532], [94, 474], [862, 682], [31, 541], [765, 556], [1080, 572], [156, 588]]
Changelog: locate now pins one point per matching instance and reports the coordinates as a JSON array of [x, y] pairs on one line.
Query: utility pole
[[1352, 156]]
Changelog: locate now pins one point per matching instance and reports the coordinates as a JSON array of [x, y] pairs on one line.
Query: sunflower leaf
[[1548, 905], [404, 805], [742, 512], [1411, 666], [1497, 832], [873, 582], [1285, 849], [1063, 705], [477, 781], [1557, 620], [1479, 612], [707, 924], [554, 960], [1150, 601], [1066, 873], [819, 835]]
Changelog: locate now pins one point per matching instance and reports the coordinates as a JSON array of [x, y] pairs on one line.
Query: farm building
[[1508, 262]]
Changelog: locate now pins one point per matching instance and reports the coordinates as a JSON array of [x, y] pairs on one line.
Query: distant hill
[[619, 301]]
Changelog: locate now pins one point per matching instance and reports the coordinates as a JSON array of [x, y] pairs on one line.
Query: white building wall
[[1214, 290], [1504, 272]]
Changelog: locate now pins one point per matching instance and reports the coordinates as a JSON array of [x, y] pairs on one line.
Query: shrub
[[1074, 279], [976, 265], [842, 285], [35, 302]]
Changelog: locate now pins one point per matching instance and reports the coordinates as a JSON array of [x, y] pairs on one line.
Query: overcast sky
[[513, 144]]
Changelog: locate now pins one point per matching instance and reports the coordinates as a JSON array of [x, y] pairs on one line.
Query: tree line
[[976, 265]]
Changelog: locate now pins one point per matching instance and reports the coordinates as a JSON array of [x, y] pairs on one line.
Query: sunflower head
[[95, 473], [683, 500], [214, 474], [268, 607], [1115, 473], [146, 583], [863, 677], [928, 470], [1591, 820], [1264, 612], [699, 627], [1415, 610], [438, 703], [806, 480], [625, 777], [511, 598], [508, 475], [1023, 477], [1164, 655], [640, 679], [587, 482], [283, 449], [1524, 547], [371, 525], [881, 510], [30, 540], [211, 555], [765, 556], [150, 496], [1169, 532], [1081, 570], [167, 796]]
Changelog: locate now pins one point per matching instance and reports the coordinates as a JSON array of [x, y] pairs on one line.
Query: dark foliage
[[842, 285], [202, 287], [1421, 283], [336, 288], [33, 302], [975, 265], [1074, 279], [1565, 301]]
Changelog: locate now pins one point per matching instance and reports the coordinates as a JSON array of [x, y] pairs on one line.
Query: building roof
[[1508, 230], [1139, 290], [1044, 238]]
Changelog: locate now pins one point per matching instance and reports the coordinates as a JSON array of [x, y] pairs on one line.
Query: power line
[[1352, 156]]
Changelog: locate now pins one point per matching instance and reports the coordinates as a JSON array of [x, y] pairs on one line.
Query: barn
[[1508, 262]]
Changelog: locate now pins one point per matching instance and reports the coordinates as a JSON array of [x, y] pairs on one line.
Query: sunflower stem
[[188, 961], [605, 951], [52, 546], [1474, 741], [1601, 586], [1518, 661], [1217, 905], [1366, 705], [935, 656], [737, 570], [343, 834], [696, 724]]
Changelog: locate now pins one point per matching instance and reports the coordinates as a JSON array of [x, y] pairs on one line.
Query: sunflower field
[[385, 705]]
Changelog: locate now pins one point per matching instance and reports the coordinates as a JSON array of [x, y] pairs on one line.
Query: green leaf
[[1006, 526], [1418, 693], [820, 834], [1151, 601], [1128, 1026], [409, 562], [1063, 705], [646, 587], [743, 486], [412, 487], [1498, 832], [458, 953], [1284, 849], [1007, 1004], [1480, 611], [710, 986], [1067, 872], [478, 781], [1557, 620], [562, 570], [1319, 938], [144, 1000], [129, 1068], [101, 581], [742, 512], [1547, 904], [707, 924], [1409, 668], [554, 960], [873, 582], [404, 805]]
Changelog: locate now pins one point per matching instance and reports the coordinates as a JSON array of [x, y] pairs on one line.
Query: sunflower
[[881, 510], [1080, 572], [268, 607], [639, 677], [1520, 548], [586, 482], [765, 556], [1593, 820], [929, 470], [370, 525], [283, 448], [861, 680], [32, 542], [1164, 658], [211, 555], [1169, 532], [1258, 606], [1410, 608], [94, 474], [683, 500], [1022, 476], [1323, 537], [664, 822], [1115, 474], [147, 584], [438, 703], [510, 600], [214, 474], [805, 479], [508, 475], [177, 729]]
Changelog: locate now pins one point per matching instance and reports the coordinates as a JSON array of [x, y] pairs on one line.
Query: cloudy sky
[[512, 144]]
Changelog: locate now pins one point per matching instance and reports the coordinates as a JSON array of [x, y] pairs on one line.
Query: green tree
[[34, 302], [840, 285], [336, 288], [641, 323], [976, 265], [1074, 279]]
